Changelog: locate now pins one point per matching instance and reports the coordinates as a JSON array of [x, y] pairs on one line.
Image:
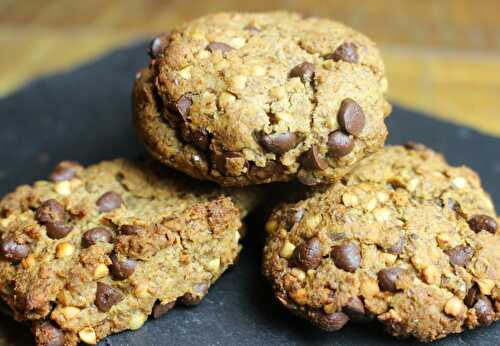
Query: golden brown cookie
[[246, 99], [404, 238], [97, 250]]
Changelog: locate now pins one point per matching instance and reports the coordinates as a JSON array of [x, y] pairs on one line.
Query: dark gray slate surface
[[84, 115]]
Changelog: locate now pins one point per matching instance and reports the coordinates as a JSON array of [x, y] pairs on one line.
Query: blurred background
[[442, 56]]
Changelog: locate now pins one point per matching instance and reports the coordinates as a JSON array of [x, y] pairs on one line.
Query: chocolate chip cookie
[[245, 99], [97, 250], [404, 238]]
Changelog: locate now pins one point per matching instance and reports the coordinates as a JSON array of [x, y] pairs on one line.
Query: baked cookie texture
[[404, 238], [245, 99], [97, 250]]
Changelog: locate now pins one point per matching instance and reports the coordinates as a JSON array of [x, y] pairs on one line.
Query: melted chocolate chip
[[484, 311], [351, 117], [304, 71], [121, 270], [308, 254], [214, 46], [329, 322], [312, 160], [388, 277], [97, 234], [106, 296], [460, 255], [355, 309], [66, 170], [49, 211], [48, 334], [158, 44], [347, 256], [280, 143], [195, 297], [347, 52], [12, 251], [161, 309], [109, 201], [57, 230], [339, 143], [130, 230], [481, 222]]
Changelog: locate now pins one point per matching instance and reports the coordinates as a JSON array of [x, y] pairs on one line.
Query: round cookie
[[246, 99], [404, 238], [96, 251]]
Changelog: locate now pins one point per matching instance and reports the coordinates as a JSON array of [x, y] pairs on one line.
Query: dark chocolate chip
[[329, 322], [161, 309], [471, 297], [339, 143], [121, 270], [48, 334], [347, 256], [280, 143], [130, 230], [49, 211], [347, 52], [183, 106], [66, 170], [109, 201], [484, 311], [57, 229], [12, 251], [460, 255], [388, 277], [311, 160], [195, 297], [351, 117], [106, 296], [355, 309], [97, 234], [308, 254], [199, 138], [214, 46], [481, 222], [304, 71], [158, 44]]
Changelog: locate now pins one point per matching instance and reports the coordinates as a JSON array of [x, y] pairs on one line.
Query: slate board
[[84, 115]]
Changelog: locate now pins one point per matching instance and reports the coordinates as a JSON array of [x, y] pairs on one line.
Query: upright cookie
[[246, 99], [404, 238], [96, 251]]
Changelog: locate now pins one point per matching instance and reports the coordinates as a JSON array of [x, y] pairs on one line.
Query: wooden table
[[441, 56]]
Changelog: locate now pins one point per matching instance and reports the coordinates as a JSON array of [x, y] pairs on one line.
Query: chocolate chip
[[347, 52], [262, 173], [460, 255], [183, 106], [388, 277], [57, 229], [222, 159], [66, 170], [480, 223], [224, 48], [351, 117], [130, 230], [161, 309], [106, 296], [355, 309], [121, 270], [311, 160], [329, 322], [158, 45], [97, 234], [195, 297], [308, 254], [339, 143], [484, 311], [347, 256], [304, 71], [48, 334], [471, 297], [12, 251], [49, 211], [280, 143], [109, 201], [199, 138]]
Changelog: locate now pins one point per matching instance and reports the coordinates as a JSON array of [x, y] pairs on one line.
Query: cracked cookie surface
[[404, 238], [97, 250], [245, 99]]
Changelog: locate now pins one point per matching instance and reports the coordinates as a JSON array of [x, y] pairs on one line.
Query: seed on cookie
[[49, 211], [347, 52], [311, 160], [109, 201], [308, 254], [329, 322], [158, 44], [481, 222], [97, 234], [13, 251], [460, 255], [121, 270], [280, 143], [347, 256], [215, 46], [388, 277], [106, 297], [160, 309], [304, 71], [339, 143], [57, 229], [351, 117]]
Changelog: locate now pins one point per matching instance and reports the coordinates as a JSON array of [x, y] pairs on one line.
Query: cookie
[[244, 99], [404, 238], [97, 250]]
